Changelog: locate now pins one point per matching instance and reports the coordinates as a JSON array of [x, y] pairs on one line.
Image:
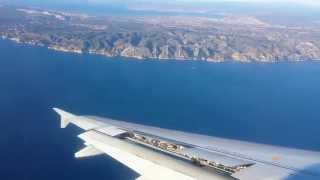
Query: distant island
[[228, 38]]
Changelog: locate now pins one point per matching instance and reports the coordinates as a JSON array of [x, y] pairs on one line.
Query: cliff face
[[243, 39]]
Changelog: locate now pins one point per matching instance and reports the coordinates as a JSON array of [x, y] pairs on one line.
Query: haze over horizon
[[293, 9], [308, 3]]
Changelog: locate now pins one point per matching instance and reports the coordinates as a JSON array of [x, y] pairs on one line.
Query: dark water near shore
[[266, 103]]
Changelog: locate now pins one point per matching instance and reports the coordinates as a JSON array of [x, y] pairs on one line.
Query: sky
[[227, 6], [301, 2], [306, 2], [298, 2]]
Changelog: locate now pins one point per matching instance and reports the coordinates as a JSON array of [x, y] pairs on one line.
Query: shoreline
[[80, 52]]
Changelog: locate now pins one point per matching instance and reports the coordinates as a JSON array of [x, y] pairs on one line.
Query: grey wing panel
[[269, 172], [263, 172]]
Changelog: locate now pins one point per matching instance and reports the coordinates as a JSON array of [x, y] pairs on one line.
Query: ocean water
[[266, 103]]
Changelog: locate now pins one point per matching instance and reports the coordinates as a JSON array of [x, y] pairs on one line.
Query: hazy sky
[[304, 2], [205, 3], [274, 2], [255, 1]]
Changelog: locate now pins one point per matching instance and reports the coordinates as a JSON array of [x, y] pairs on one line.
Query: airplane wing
[[132, 156], [158, 154]]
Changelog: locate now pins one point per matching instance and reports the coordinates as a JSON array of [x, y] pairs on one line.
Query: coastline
[[62, 49]]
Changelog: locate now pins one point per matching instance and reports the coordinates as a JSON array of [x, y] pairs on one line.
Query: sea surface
[[266, 103]]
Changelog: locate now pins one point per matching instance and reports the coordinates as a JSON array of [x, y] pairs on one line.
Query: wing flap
[[87, 151], [142, 178], [111, 131], [125, 153], [216, 158]]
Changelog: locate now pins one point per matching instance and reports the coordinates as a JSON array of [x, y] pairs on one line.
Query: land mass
[[227, 38]]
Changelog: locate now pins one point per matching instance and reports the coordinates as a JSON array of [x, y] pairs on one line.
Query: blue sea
[[266, 103]]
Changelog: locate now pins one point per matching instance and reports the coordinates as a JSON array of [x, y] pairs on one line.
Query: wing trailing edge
[[88, 151], [142, 178]]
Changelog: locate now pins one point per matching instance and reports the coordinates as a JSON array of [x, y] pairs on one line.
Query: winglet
[[65, 117]]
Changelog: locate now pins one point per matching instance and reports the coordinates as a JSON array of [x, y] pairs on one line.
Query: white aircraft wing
[[158, 154], [132, 156]]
